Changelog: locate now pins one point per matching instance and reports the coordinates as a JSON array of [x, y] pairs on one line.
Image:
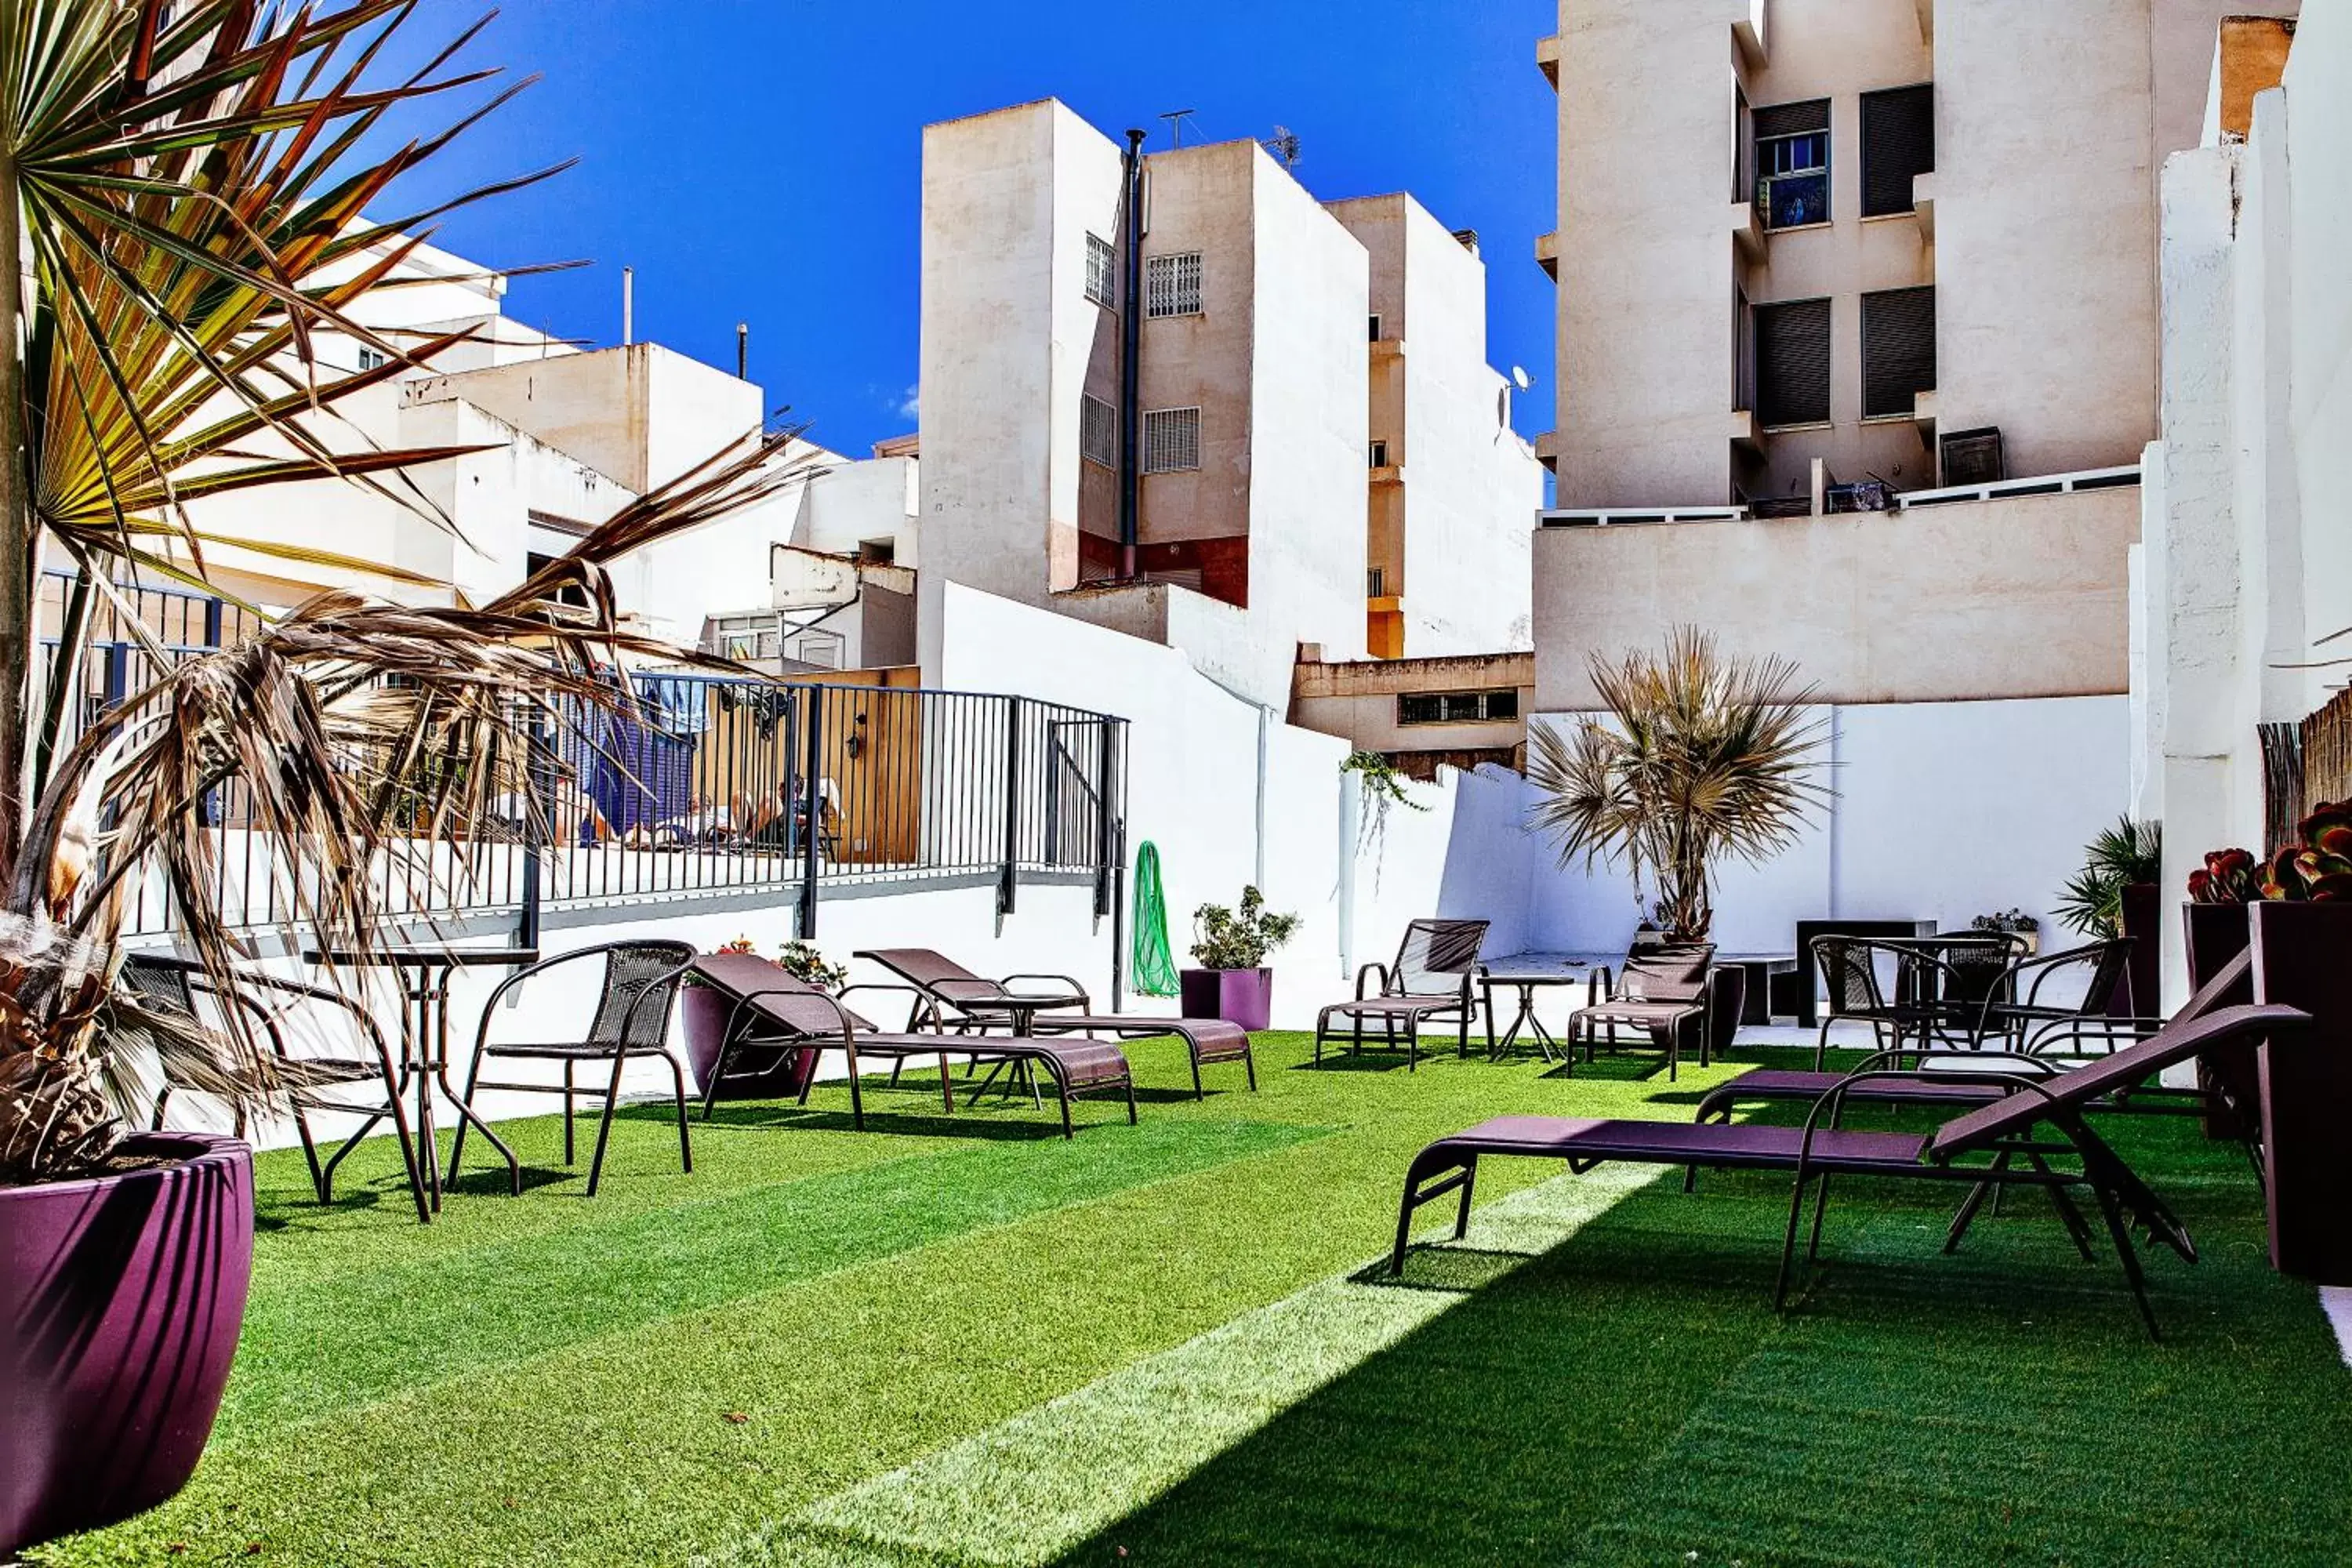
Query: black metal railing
[[710, 786]]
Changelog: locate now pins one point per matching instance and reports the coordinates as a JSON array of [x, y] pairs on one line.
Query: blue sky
[[762, 161]]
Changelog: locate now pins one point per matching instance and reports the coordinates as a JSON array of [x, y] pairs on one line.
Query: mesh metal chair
[[182, 985], [632, 1020], [1436, 965], [2017, 1014], [1664, 991]]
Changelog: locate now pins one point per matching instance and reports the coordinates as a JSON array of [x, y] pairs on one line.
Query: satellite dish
[[1520, 379]]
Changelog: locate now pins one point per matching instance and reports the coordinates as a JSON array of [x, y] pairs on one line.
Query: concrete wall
[[2018, 597], [1357, 701]]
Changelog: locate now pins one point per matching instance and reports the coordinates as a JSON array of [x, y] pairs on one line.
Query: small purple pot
[[1244, 996], [122, 1296]]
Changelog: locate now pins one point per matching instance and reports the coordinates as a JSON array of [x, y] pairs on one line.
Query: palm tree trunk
[[20, 533]]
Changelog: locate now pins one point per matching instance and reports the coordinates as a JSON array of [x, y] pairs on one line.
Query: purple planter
[[2143, 917], [705, 1013], [1244, 996], [2216, 934], [2302, 957], [121, 1297]]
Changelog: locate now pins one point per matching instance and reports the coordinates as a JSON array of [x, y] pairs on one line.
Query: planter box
[[1244, 996], [2214, 934], [759, 1072], [2302, 957], [122, 1296], [2140, 996]]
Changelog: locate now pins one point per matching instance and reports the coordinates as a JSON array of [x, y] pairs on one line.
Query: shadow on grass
[[991, 1121], [1629, 1396]]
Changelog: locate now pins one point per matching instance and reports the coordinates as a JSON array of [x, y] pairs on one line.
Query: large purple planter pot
[[2143, 916], [2214, 934], [705, 1014], [2302, 957], [1244, 996], [122, 1296]]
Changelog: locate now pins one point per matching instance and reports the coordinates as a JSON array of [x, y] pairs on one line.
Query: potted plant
[[2115, 894], [1230, 946], [2013, 922], [1698, 759], [706, 1014], [186, 199]]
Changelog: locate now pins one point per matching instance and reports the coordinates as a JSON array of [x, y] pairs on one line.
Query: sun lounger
[[1436, 965], [2006, 1142], [771, 1011], [953, 995]]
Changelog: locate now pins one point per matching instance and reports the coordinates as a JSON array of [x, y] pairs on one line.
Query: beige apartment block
[[1829, 256], [1256, 381]]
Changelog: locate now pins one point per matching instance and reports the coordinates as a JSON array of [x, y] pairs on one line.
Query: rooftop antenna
[[1283, 145], [1176, 118]]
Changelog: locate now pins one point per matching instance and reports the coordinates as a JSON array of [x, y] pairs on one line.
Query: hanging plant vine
[[1383, 788]]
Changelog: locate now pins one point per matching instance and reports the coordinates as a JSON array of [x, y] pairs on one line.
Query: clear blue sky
[[760, 160]]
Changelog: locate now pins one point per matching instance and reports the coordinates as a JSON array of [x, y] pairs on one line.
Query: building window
[[1793, 362], [572, 595], [1172, 440], [1098, 431], [371, 359], [1458, 707], [1376, 583], [1792, 163], [1172, 285], [1378, 454], [1376, 326], [1898, 142], [1898, 350], [1102, 271]]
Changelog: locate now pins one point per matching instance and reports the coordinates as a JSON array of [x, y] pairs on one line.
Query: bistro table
[[1019, 1013], [424, 969], [1528, 979]]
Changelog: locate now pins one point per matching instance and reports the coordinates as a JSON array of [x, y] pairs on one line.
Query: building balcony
[[1547, 254], [1923, 204], [1547, 59], [1388, 474], [1747, 232], [1386, 351]]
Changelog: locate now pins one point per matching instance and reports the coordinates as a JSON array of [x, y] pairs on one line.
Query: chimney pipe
[[742, 351], [629, 306], [1130, 362]]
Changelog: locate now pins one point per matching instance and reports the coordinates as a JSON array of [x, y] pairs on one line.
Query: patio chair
[[631, 1021], [2012, 1140], [1916, 1005], [948, 994], [1430, 981], [1664, 991], [2015, 1012], [771, 1008], [179, 984]]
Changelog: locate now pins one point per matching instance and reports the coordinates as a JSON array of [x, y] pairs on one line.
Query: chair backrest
[[640, 986], [158, 979], [772, 994], [1436, 956], [934, 975], [2110, 962], [1975, 972], [1848, 967], [2184, 1038], [1675, 974]]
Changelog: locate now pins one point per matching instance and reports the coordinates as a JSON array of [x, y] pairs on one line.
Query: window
[[1898, 350], [1792, 163], [1793, 362], [1376, 326], [1172, 440], [1458, 707], [1102, 271], [533, 564], [1898, 141], [370, 358], [1376, 583], [1378, 454], [1172, 285], [1098, 431]]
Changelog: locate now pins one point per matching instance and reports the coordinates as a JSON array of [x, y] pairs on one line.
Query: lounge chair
[[1662, 991], [1436, 965], [1990, 1146], [952, 995], [771, 1009]]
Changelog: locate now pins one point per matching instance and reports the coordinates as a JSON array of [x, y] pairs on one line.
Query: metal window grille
[[1098, 431], [1172, 440], [1172, 285], [1376, 583], [1102, 270], [1458, 707], [1898, 350]]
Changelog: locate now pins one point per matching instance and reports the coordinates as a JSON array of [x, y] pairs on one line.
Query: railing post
[[812, 809], [1106, 813], [1009, 880]]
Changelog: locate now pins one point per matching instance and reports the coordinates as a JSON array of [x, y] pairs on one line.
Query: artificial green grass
[[826, 1346]]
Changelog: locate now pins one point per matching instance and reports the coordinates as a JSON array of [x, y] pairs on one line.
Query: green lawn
[[965, 1341]]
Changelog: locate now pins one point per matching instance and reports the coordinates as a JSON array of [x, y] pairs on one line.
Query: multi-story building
[[1213, 489], [1826, 259]]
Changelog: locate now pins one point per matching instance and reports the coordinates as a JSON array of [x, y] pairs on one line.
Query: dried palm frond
[[1695, 760]]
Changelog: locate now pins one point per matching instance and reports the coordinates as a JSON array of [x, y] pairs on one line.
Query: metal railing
[[710, 785]]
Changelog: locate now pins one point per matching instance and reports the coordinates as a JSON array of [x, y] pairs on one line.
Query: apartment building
[[1149, 384], [1838, 263]]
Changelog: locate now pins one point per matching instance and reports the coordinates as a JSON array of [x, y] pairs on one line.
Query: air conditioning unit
[[1973, 457]]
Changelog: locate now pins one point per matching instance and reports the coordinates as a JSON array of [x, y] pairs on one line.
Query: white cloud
[[911, 406]]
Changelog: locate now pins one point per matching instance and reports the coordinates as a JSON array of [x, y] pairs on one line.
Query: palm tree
[[1699, 759], [188, 194]]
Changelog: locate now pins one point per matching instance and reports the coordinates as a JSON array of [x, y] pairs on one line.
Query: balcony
[[1547, 59], [1747, 232], [1547, 254]]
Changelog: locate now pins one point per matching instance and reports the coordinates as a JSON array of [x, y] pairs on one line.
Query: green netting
[[1152, 968]]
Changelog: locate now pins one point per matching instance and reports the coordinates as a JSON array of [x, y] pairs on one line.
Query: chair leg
[[2121, 1233], [320, 1180], [1462, 1219], [1821, 1044], [458, 1143], [1249, 1066], [408, 1152], [677, 1082], [1131, 1099], [163, 1098], [1788, 1241], [604, 1125], [567, 1112], [1198, 1092], [1820, 1211]]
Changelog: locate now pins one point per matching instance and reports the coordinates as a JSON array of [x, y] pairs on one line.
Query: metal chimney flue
[[742, 351], [1130, 360], [629, 306]]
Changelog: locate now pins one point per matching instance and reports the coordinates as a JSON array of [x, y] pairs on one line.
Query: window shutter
[[1172, 440], [1793, 362], [1898, 350], [1172, 285], [1898, 141], [1793, 119]]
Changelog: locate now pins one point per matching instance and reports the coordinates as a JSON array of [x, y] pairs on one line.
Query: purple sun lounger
[[771, 1011], [950, 994], [2006, 1142]]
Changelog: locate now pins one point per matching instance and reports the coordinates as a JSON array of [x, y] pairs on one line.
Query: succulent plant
[[2227, 877]]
